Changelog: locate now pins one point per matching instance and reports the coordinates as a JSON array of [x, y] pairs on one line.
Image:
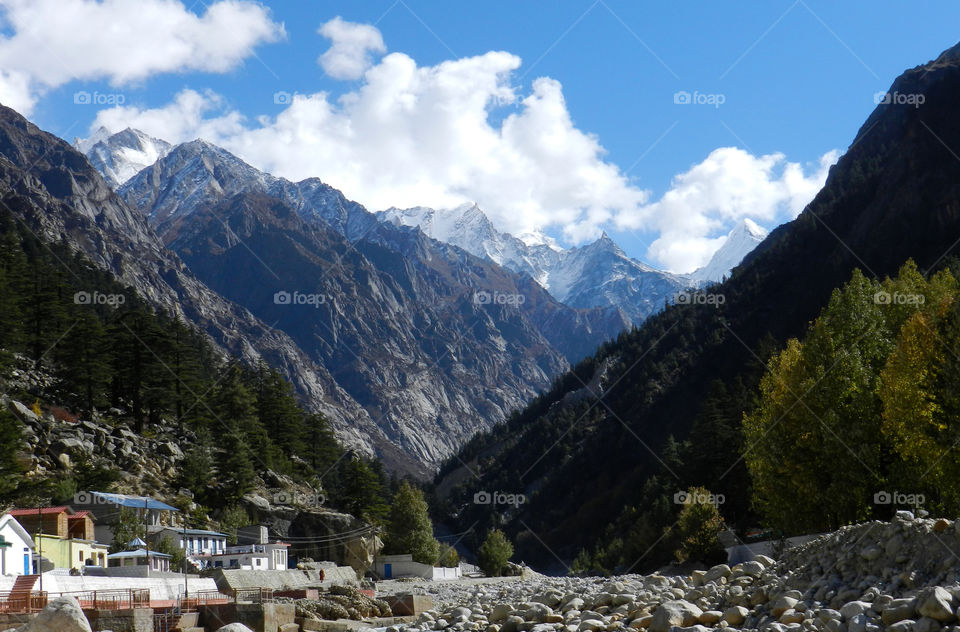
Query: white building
[[196, 542], [392, 566], [137, 563], [16, 547], [249, 557]]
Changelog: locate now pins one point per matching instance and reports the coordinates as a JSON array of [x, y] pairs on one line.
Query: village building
[[105, 508], [250, 557], [394, 566], [64, 538], [193, 541], [16, 547], [137, 563]]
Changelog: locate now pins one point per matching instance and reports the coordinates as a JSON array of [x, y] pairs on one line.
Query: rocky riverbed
[[900, 576]]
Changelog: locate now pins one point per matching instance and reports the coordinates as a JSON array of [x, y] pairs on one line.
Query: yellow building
[[62, 536], [72, 553]]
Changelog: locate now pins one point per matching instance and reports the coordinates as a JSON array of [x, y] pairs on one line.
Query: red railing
[[115, 599], [208, 597], [21, 601], [203, 598]]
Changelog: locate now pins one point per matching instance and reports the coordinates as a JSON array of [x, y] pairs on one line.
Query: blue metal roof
[[134, 502]]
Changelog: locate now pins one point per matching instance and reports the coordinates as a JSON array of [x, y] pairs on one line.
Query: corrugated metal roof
[[133, 502]]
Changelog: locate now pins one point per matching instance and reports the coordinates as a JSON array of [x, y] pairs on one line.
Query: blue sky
[[795, 78]]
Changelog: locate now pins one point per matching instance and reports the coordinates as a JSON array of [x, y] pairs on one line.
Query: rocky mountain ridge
[[598, 274], [891, 197]]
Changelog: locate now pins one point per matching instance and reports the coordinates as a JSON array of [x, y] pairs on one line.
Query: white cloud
[[184, 119], [351, 44], [409, 135], [56, 41], [729, 185]]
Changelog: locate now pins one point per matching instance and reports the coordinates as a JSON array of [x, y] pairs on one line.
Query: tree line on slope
[[103, 351], [854, 420]]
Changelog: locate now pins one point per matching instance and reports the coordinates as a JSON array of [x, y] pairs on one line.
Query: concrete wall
[[441, 573], [10, 621], [404, 566], [161, 588], [136, 620], [284, 580], [266, 617]]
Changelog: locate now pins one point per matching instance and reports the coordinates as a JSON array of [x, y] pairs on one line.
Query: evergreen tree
[[83, 360], [409, 529], [494, 553], [698, 527], [126, 528], [361, 492]]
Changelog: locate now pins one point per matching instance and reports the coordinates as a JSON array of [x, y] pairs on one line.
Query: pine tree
[[409, 529], [83, 360], [361, 492]]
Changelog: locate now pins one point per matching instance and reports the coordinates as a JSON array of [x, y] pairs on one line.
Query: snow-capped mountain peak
[[598, 274], [739, 243], [122, 155]]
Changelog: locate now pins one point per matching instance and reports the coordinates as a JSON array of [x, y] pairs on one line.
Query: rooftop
[[135, 553], [192, 531], [126, 500], [33, 511]]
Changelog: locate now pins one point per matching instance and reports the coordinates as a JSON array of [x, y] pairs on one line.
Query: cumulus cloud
[[351, 44], [411, 135], [56, 41], [190, 115], [729, 185]]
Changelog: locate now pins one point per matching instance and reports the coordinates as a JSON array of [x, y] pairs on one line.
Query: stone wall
[[136, 620], [267, 617]]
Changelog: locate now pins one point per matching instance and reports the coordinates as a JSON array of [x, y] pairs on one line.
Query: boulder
[[171, 449], [935, 603], [716, 572], [926, 624], [898, 610], [735, 615], [234, 627], [60, 615], [573, 604], [511, 624], [710, 617], [782, 604], [751, 569], [791, 616], [677, 613], [537, 612], [857, 623], [853, 608]]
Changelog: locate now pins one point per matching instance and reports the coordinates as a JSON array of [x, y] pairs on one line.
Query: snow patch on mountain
[[744, 237], [596, 275], [123, 155]]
